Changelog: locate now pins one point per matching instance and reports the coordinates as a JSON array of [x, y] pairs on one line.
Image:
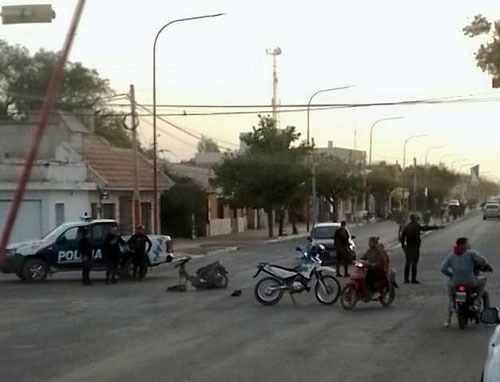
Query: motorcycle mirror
[[298, 249], [490, 316], [353, 237], [309, 238]]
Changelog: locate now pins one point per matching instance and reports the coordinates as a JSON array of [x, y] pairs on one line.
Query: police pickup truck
[[58, 251]]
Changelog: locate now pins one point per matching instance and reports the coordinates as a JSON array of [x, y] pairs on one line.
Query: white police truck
[[58, 251]]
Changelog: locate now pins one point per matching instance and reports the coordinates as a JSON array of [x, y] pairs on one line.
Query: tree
[[269, 174], [208, 145], [24, 79], [488, 54], [337, 180], [381, 180], [180, 204]]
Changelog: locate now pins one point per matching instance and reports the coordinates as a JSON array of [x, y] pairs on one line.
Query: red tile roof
[[115, 166]]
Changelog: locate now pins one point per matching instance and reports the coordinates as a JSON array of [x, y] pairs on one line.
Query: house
[[221, 219], [75, 173]]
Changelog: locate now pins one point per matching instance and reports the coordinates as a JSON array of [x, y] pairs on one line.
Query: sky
[[385, 50]]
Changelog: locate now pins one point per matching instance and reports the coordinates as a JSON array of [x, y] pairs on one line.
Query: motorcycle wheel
[[332, 292], [221, 280], [388, 297], [266, 291], [462, 319], [348, 297]]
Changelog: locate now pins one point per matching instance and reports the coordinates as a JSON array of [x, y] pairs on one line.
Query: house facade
[[71, 177]]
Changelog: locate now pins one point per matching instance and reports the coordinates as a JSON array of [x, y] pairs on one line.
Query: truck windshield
[[54, 233]]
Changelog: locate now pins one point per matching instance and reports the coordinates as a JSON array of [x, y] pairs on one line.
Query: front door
[[66, 250]]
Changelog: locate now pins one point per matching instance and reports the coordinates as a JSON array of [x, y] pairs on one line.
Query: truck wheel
[[35, 270]]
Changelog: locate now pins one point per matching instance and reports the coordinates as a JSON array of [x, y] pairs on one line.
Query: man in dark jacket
[[85, 251], [410, 242], [341, 240], [375, 261], [111, 251], [137, 244]]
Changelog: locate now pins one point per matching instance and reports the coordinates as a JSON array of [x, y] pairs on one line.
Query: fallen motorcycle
[[269, 290], [211, 276]]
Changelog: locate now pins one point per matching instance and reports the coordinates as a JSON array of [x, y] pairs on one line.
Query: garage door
[[29, 220]]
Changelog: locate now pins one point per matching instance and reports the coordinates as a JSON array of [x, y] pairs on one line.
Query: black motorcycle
[[468, 304], [211, 276]]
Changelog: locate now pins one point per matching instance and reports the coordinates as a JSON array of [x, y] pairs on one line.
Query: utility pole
[[314, 196], [414, 184], [275, 52], [136, 200]]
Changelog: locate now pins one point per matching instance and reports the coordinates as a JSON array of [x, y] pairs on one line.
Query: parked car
[[58, 251], [491, 211], [323, 233]]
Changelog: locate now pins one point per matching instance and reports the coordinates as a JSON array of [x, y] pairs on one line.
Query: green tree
[[269, 174], [208, 145], [24, 79], [180, 204], [337, 180], [381, 180], [488, 54]]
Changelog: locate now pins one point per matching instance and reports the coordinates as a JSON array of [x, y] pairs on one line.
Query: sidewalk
[[232, 242]]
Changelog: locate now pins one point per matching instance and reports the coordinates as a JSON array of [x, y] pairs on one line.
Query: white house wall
[[76, 203]]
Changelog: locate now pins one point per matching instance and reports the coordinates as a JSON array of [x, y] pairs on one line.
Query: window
[[70, 234], [93, 210], [108, 211], [59, 214], [100, 231]]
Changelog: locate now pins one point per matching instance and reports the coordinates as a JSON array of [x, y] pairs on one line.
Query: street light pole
[[404, 146], [428, 151], [308, 144], [452, 166], [371, 135], [155, 157]]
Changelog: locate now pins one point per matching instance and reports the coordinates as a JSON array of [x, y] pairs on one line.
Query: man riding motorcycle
[[462, 266], [376, 263]]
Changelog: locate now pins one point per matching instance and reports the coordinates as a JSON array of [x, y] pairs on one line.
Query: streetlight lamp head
[[274, 52]]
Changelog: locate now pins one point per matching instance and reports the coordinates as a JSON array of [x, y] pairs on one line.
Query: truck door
[[66, 250]]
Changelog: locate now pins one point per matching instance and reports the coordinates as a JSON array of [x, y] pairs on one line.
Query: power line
[[184, 130]]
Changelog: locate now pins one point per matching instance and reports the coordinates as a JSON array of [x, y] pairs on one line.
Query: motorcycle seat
[[285, 268]]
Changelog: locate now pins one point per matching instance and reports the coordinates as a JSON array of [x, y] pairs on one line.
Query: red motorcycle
[[356, 288]]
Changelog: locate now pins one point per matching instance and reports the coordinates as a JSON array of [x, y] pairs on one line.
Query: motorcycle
[[211, 276], [468, 304], [269, 290], [357, 289]]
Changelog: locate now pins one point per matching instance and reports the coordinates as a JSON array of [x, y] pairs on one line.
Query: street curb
[[221, 250], [286, 238]]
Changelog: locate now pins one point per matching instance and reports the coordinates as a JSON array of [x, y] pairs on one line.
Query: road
[[60, 331]]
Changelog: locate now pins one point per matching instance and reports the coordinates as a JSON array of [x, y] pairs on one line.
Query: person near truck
[[111, 250], [85, 251], [140, 244], [410, 242]]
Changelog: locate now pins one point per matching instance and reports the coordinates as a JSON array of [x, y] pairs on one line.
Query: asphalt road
[[61, 331]]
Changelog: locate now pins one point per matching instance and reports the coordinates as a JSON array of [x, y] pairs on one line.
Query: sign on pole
[[474, 175]]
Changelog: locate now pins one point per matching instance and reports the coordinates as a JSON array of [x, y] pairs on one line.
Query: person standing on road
[[341, 241], [410, 242], [137, 244], [85, 252], [111, 251]]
